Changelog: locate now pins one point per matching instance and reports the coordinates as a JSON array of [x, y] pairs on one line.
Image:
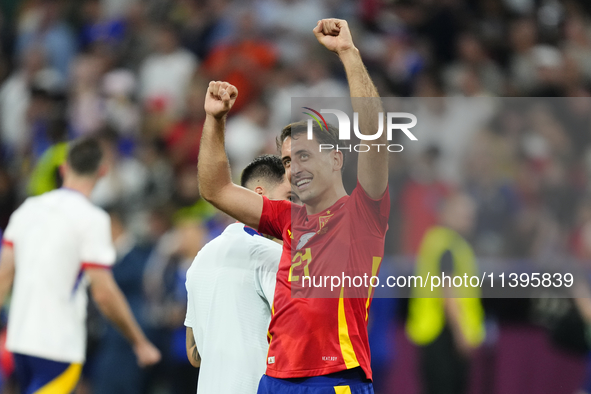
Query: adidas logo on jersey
[[271, 360]]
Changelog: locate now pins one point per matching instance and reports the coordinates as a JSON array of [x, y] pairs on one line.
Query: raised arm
[[215, 182], [372, 167]]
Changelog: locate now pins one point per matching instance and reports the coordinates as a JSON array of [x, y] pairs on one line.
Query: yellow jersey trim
[[374, 271], [346, 346]]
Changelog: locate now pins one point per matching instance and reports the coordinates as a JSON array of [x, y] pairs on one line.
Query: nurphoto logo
[[345, 129]]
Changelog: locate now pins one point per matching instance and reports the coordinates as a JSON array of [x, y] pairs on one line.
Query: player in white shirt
[[230, 288], [55, 245]]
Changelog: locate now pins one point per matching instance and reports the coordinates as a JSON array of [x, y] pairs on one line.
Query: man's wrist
[[140, 343], [349, 53], [138, 340], [220, 119]]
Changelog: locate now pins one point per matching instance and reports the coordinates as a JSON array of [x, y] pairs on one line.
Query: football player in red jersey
[[316, 344]]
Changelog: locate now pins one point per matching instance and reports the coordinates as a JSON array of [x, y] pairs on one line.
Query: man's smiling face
[[311, 172]]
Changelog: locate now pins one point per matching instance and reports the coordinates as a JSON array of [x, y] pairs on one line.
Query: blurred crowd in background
[[135, 72]]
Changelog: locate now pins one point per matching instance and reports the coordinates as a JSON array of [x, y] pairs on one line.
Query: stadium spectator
[[246, 135], [120, 108], [15, 96], [165, 75], [100, 25], [86, 104], [472, 57], [42, 25], [125, 181]]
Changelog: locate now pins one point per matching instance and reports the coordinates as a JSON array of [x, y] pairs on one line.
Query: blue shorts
[[39, 375], [344, 382]]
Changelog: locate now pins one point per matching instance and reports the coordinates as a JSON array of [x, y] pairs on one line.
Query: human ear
[[337, 160]]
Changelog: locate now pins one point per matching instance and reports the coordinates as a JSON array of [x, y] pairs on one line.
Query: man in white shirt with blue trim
[[55, 246], [230, 289]]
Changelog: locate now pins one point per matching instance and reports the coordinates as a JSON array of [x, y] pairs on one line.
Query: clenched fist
[[334, 34], [220, 98], [146, 354]]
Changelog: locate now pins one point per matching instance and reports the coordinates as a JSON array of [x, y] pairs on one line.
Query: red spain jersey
[[317, 336]]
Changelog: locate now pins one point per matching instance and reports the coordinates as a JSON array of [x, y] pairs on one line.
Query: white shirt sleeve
[[97, 245], [266, 256], [16, 224], [11, 229]]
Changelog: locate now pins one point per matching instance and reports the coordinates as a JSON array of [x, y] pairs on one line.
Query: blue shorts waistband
[[347, 377]]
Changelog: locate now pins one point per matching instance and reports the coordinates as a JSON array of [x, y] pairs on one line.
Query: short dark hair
[[85, 155], [268, 167], [322, 134]]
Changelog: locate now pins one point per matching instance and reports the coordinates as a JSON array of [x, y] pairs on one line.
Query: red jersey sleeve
[[276, 217], [373, 214]]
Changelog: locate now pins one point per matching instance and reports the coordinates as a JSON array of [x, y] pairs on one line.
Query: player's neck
[[82, 185], [326, 200]]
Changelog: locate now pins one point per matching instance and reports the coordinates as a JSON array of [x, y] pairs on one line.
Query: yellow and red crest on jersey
[[323, 220]]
